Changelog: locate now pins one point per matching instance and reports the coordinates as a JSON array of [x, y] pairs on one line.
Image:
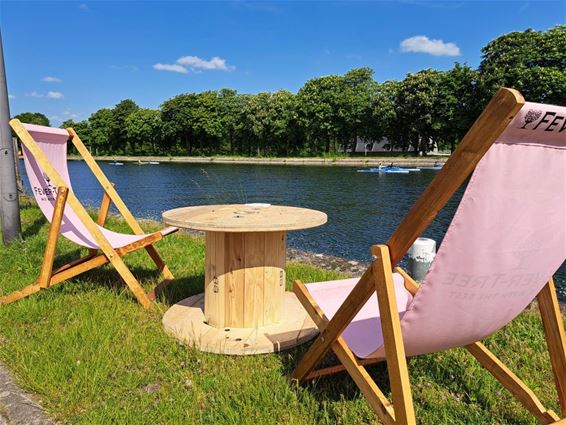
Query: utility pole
[[9, 202]]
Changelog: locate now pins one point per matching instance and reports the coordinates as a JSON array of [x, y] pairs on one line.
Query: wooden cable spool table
[[245, 308]]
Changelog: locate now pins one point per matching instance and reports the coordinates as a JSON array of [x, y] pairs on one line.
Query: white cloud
[[11, 96], [423, 44], [174, 68], [49, 95], [195, 64], [198, 63], [54, 95], [50, 79]]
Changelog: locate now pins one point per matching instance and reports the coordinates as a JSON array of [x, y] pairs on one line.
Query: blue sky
[[67, 59]]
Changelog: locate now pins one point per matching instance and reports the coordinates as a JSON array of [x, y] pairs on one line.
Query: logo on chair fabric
[[550, 121]]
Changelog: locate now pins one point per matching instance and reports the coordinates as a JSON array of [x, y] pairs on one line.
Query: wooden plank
[[244, 218], [18, 295], [555, 338], [510, 381], [254, 262], [488, 127], [392, 337], [52, 237], [485, 131], [234, 279], [105, 183], [82, 214], [375, 397], [410, 284], [274, 276], [213, 301], [142, 243]]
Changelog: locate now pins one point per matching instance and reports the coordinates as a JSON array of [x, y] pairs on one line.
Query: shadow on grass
[[107, 277], [335, 387], [33, 229]]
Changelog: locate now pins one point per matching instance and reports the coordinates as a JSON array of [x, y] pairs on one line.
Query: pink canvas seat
[[45, 157], [53, 143], [363, 335], [505, 242]]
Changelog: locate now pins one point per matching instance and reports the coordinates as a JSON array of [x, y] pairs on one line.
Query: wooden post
[[9, 200]]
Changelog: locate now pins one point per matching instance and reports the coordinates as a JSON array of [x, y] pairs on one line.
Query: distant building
[[371, 146]]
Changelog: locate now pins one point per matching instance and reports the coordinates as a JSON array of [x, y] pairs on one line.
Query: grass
[[93, 355]]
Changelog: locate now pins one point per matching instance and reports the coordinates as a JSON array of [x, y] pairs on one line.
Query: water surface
[[363, 208]]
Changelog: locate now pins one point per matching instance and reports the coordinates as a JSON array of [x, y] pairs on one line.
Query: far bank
[[373, 161]]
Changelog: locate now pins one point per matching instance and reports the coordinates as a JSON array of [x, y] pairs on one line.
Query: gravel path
[[17, 407]]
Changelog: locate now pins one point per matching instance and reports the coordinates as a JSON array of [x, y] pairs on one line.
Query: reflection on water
[[363, 208]]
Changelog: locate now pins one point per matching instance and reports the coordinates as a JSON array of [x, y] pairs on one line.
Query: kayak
[[395, 170]]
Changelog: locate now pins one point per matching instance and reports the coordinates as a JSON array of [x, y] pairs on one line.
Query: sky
[[68, 59]]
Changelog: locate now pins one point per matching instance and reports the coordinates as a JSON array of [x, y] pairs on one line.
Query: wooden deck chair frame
[[48, 276], [378, 279]]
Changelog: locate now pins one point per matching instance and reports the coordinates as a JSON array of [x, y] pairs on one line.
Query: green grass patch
[[93, 355]]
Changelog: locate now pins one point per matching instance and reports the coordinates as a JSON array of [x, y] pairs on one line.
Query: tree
[[176, 115], [118, 136], [99, 132], [418, 120], [143, 130], [319, 106], [33, 118], [357, 91], [533, 62]]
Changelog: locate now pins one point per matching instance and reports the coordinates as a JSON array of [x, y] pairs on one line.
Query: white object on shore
[[420, 256]]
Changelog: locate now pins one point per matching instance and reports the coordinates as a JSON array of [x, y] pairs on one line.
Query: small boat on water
[[154, 162], [435, 168], [385, 170], [142, 162], [116, 163]]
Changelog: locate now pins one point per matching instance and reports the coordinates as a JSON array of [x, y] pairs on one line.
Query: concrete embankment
[[344, 162]]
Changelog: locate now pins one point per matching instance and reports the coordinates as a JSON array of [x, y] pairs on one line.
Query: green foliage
[[330, 114], [33, 118], [533, 62]]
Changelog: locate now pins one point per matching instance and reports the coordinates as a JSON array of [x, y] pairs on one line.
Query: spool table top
[[244, 218]]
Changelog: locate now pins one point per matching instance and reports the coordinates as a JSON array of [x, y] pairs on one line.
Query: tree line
[[328, 114]]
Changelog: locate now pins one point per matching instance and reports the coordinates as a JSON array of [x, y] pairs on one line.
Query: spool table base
[[186, 322]]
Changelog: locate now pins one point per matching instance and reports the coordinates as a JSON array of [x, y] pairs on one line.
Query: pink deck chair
[[506, 240], [45, 158]]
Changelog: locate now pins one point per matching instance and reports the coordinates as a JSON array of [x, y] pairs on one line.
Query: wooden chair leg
[[167, 275], [375, 397], [510, 381], [392, 337], [555, 338], [49, 256]]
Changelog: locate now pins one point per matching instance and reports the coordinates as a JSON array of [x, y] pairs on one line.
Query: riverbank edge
[[343, 162]]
